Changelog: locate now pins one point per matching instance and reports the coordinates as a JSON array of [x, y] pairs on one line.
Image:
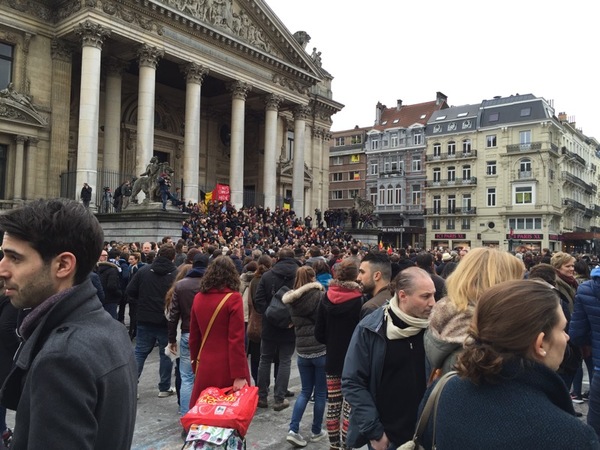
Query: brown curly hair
[[221, 273]]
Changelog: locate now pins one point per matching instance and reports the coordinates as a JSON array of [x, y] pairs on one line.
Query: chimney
[[378, 110], [440, 98], [398, 104], [562, 116]]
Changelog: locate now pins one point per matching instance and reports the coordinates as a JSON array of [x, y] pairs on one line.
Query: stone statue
[[316, 57], [147, 182], [11, 93], [363, 206]]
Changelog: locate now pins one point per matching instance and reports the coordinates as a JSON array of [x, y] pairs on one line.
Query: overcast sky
[[385, 50]]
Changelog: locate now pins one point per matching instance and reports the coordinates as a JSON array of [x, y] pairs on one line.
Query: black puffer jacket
[[111, 282], [148, 288], [282, 273], [303, 303]]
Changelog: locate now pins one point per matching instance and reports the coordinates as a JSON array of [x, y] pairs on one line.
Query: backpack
[[277, 312]]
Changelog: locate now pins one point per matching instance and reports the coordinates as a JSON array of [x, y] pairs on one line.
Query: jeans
[[111, 308], [147, 336], [312, 376], [593, 417], [187, 374], [268, 351], [578, 380]]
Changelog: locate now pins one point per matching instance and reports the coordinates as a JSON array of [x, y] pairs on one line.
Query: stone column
[[19, 164], [148, 60], [301, 113], [112, 115], [272, 103], [92, 36], [32, 165], [195, 74], [239, 94], [61, 107]]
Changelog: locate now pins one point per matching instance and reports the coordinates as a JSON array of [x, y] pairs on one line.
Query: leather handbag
[[431, 405]]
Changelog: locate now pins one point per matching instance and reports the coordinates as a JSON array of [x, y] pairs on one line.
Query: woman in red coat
[[222, 361]]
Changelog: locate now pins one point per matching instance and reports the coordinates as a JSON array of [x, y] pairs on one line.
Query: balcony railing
[[589, 188], [456, 182], [570, 203], [451, 211], [400, 209], [452, 156], [524, 174], [530, 147], [573, 156]]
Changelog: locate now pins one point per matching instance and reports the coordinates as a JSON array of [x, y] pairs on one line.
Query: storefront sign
[[537, 237], [392, 229], [556, 237], [450, 236]]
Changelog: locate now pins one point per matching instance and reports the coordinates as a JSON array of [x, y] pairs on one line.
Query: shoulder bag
[[210, 324], [431, 405]]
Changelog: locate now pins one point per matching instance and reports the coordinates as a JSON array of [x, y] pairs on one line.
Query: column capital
[[61, 50], [194, 73], [33, 141], [302, 112], [239, 89], [92, 34], [319, 132], [115, 66], [149, 56], [20, 139], [272, 102]]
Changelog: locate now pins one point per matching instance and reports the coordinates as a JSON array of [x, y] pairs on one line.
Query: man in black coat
[[111, 284], [275, 341], [74, 381], [147, 289]]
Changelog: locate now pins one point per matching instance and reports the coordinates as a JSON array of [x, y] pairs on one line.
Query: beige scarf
[[415, 325]]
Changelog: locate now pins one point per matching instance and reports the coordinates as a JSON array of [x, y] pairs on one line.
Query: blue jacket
[[528, 408], [361, 377], [584, 327]]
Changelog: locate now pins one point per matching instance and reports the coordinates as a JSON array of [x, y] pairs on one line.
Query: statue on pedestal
[[148, 181]]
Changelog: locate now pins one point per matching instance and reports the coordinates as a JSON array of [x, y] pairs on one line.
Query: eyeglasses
[[104, 254]]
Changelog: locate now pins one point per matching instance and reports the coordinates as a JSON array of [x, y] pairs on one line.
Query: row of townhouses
[[507, 172]]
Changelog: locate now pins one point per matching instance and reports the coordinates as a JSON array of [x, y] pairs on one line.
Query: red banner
[[221, 193]]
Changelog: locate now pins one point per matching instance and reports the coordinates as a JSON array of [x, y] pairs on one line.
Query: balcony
[[574, 204], [573, 156], [400, 209], [454, 156], [457, 182], [523, 148], [589, 188], [524, 174], [451, 211]]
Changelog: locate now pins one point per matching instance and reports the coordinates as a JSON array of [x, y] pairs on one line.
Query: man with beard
[[374, 276], [384, 371], [74, 381]]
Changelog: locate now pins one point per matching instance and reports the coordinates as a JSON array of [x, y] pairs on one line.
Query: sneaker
[[586, 395], [163, 394], [295, 439], [263, 403], [318, 437], [281, 406], [576, 398]]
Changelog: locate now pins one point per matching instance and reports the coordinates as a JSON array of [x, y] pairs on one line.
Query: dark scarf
[[571, 281]]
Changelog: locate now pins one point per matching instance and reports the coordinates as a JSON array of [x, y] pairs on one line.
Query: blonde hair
[[559, 259], [479, 270]]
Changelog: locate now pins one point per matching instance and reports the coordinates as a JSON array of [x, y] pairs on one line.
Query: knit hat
[[200, 260], [595, 272]]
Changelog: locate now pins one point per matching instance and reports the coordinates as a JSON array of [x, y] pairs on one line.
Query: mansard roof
[[514, 109], [407, 116]]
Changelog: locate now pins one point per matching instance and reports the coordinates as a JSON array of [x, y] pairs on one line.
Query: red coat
[[223, 357]]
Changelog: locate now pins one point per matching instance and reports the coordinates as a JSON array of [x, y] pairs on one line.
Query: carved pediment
[[16, 112]]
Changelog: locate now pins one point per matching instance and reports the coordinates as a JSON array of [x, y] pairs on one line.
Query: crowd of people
[[372, 331]]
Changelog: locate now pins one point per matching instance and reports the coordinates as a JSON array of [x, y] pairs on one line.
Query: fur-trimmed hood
[[343, 291], [291, 296]]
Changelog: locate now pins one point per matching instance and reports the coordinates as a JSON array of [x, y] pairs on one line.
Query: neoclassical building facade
[[220, 89]]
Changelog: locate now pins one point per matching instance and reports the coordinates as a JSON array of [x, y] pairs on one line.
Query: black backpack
[[277, 312]]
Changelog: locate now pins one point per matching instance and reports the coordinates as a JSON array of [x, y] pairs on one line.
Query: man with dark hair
[[73, 383], [425, 261], [147, 289], [109, 274], [374, 276], [384, 371], [275, 341]]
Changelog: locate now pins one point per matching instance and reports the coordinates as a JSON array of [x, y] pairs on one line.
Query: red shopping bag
[[224, 408]]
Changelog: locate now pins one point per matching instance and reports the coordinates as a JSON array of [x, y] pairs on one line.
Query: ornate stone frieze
[[239, 89], [130, 16], [194, 73], [149, 56], [290, 84], [226, 15], [92, 34]]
